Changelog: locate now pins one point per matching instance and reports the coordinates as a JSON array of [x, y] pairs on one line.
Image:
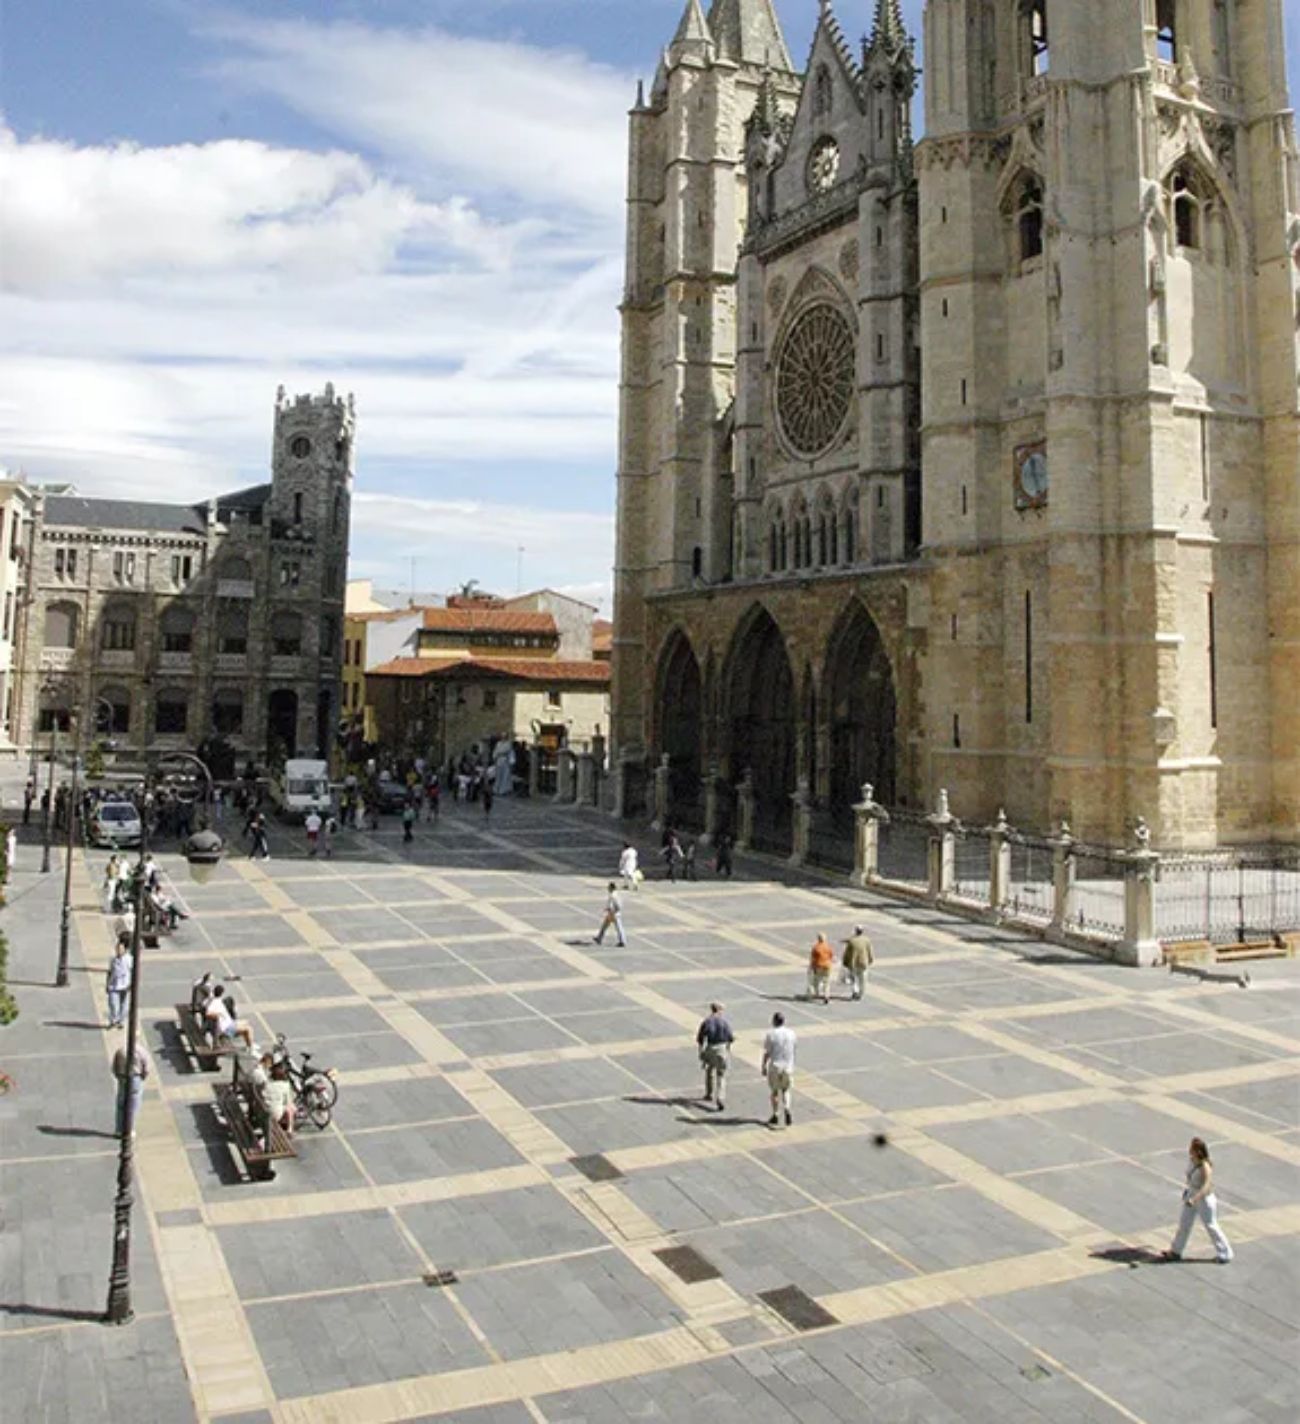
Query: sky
[[418, 200]]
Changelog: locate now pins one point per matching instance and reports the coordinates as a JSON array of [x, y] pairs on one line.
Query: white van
[[302, 786]]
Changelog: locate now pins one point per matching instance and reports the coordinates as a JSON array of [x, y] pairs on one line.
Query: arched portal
[[282, 722], [862, 709], [681, 727], [762, 720]]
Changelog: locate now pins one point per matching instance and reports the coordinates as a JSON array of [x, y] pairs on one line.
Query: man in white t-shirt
[[778, 1067], [629, 868], [312, 826]]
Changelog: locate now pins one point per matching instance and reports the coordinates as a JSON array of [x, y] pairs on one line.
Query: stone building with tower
[[967, 459], [173, 623]]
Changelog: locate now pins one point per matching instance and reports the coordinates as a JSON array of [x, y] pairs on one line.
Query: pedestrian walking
[[1199, 1200], [778, 1068], [858, 958], [261, 848], [11, 852], [672, 854], [218, 806], [117, 983], [722, 854], [312, 826], [613, 916], [688, 861], [29, 795], [328, 832], [130, 1075], [628, 867], [435, 797], [820, 962], [714, 1039], [408, 823]]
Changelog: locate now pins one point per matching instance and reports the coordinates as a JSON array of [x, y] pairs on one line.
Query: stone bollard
[[801, 800], [999, 862], [868, 817], [1063, 873], [712, 807], [564, 776], [662, 793], [745, 812], [1140, 946], [942, 862], [586, 779]]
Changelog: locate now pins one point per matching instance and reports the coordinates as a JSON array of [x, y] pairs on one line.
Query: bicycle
[[315, 1090]]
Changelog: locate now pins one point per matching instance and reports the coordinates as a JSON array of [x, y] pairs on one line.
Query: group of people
[[214, 1007], [714, 1040], [162, 912]]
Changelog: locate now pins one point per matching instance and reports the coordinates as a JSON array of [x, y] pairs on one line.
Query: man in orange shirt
[[819, 969]]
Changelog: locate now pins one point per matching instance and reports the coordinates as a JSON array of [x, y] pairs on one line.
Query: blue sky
[[420, 200]]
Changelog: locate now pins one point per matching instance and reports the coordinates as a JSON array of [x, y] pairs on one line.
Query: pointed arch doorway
[[680, 720], [762, 724], [863, 713]]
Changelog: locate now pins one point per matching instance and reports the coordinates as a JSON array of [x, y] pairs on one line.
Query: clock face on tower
[[1031, 483], [823, 165]]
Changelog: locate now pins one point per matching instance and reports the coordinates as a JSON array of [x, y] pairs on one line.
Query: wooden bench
[[195, 1038], [259, 1140]]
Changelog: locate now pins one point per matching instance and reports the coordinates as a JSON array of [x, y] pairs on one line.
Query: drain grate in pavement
[[798, 1308], [596, 1168], [441, 1278], [688, 1265]]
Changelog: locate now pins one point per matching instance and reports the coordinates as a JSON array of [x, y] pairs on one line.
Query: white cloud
[[547, 126]]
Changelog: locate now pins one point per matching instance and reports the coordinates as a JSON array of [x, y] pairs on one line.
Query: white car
[[116, 823]]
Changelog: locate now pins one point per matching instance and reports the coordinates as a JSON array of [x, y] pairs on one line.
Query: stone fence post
[[662, 793], [868, 817], [999, 862], [1063, 874], [1140, 946], [943, 850], [801, 800], [745, 812], [586, 779]]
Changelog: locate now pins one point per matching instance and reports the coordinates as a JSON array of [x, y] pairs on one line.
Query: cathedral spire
[[889, 35], [694, 29], [767, 111], [749, 32]]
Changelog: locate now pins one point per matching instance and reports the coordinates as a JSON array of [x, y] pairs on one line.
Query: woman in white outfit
[[1199, 1200], [628, 867]]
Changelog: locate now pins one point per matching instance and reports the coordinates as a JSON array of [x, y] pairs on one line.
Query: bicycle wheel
[[319, 1109], [327, 1088]]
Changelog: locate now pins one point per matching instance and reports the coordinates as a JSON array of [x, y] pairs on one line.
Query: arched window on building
[[1191, 200], [117, 628], [1026, 213], [228, 711], [232, 629], [1167, 31], [849, 527], [118, 721], [177, 629], [1035, 45], [286, 634], [171, 712], [62, 625]]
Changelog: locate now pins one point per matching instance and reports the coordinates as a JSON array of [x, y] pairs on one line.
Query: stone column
[[712, 806], [534, 770], [662, 793], [564, 776], [586, 779], [1140, 946], [745, 812], [1063, 869], [943, 849], [801, 800], [868, 817], [999, 862]]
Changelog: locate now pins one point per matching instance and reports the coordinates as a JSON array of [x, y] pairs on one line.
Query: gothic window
[[1190, 202], [297, 507], [1222, 37], [62, 622], [123, 566], [849, 521], [171, 712], [1167, 31], [232, 630], [113, 712], [177, 630], [117, 631], [286, 634], [1035, 43], [1027, 216], [65, 563], [815, 378], [822, 92]]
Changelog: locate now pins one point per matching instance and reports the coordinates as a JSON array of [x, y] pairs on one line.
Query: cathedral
[[966, 458]]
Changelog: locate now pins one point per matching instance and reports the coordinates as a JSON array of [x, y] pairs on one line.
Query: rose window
[[815, 379]]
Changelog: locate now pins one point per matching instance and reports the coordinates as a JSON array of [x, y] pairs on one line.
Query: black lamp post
[[48, 827], [202, 850]]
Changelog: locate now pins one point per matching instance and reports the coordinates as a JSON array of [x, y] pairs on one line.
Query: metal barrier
[[971, 864], [1030, 894], [1097, 899], [905, 848], [1227, 897]]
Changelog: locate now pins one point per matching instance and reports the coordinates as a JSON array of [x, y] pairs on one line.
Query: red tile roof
[[548, 670], [488, 620]]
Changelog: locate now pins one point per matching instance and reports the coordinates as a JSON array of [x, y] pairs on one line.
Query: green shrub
[[8, 1004]]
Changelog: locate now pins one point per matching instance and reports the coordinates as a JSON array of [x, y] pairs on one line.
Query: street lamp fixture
[[202, 851]]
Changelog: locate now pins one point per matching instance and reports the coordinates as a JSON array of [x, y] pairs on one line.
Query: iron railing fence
[[1097, 904], [1030, 891], [972, 864], [1228, 896], [905, 848]]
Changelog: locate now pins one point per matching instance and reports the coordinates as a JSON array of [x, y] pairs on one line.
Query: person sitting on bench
[[276, 1090], [220, 1018], [201, 993], [168, 912]]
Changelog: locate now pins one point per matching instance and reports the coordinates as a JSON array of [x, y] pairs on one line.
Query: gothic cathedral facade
[[968, 460]]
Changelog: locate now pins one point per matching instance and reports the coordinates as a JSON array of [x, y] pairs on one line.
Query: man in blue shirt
[[714, 1039]]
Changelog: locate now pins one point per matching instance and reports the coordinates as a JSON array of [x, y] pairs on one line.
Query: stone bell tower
[[1111, 457]]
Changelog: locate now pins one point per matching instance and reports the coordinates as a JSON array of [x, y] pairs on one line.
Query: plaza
[[523, 1212]]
